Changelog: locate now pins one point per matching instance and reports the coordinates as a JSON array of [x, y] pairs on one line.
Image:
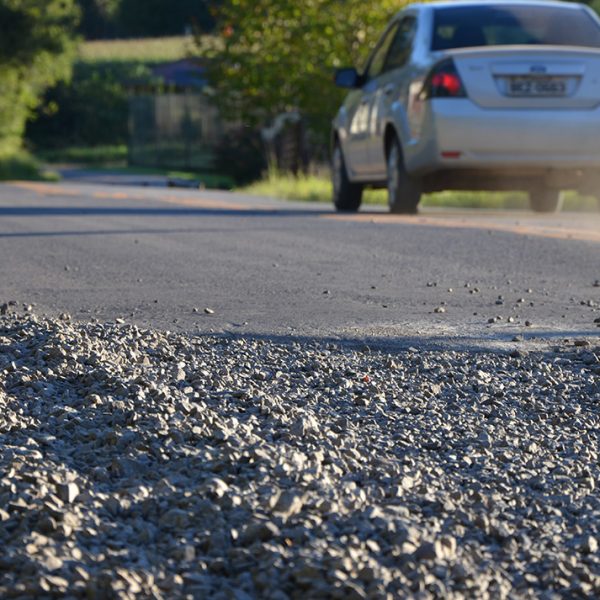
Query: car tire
[[347, 196], [545, 200], [404, 191]]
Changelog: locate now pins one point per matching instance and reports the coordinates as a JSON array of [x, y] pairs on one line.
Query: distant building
[[182, 75], [172, 122]]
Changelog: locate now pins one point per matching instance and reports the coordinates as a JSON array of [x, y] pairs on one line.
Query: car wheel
[[404, 191], [347, 196], [545, 200]]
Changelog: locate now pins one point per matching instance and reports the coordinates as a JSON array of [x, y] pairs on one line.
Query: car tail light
[[444, 82]]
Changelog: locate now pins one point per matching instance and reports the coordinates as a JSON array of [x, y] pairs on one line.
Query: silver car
[[473, 96]]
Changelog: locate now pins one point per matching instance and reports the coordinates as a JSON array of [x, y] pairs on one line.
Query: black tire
[[545, 200], [347, 196], [404, 191]]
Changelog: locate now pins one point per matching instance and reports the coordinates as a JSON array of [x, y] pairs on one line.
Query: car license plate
[[537, 86]]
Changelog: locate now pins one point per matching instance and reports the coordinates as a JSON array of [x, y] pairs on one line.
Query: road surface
[[160, 257]]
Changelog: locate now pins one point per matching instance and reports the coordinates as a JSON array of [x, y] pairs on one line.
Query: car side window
[[377, 60], [401, 46]]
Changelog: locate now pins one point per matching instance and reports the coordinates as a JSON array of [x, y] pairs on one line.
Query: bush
[[145, 18], [21, 166], [240, 155], [89, 155], [36, 48], [319, 189], [92, 110], [276, 56]]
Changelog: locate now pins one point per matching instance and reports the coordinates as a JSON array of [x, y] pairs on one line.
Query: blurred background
[[225, 93]]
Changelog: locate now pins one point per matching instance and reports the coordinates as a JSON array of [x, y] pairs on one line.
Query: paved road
[[160, 257]]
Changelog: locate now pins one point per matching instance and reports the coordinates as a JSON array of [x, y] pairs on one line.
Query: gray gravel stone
[[67, 492], [139, 463]]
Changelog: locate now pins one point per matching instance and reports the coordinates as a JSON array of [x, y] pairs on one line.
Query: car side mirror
[[347, 78]]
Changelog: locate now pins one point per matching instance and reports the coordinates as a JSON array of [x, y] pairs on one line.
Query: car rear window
[[501, 25]]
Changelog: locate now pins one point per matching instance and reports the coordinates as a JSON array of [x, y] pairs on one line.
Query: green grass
[[22, 166], [174, 155], [144, 50], [95, 155], [318, 189], [148, 50]]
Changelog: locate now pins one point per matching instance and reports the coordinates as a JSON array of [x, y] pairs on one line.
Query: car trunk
[[548, 77]]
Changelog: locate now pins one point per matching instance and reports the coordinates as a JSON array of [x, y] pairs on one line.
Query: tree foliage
[[36, 48], [107, 19], [279, 55], [98, 18], [91, 109], [142, 18]]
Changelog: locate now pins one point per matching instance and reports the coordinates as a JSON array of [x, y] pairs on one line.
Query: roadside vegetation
[[71, 66], [274, 59], [113, 160], [144, 50], [124, 19], [86, 155], [36, 50], [318, 189], [22, 166], [85, 120], [91, 111]]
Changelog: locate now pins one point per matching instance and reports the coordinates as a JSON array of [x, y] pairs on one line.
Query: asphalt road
[[160, 257]]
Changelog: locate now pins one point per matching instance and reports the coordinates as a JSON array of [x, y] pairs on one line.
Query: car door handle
[[388, 90]]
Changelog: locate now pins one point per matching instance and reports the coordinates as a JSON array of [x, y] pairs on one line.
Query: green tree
[[279, 55], [103, 19], [36, 48], [98, 18], [144, 18]]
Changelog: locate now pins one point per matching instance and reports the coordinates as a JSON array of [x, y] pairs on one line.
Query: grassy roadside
[[148, 50], [85, 155], [113, 160], [23, 166], [318, 189]]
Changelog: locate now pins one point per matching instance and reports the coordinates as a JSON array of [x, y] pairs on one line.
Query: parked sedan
[[473, 96]]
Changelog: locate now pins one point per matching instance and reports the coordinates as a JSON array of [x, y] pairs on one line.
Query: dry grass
[[318, 189], [163, 49]]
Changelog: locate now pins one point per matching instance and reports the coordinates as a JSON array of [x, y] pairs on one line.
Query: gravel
[[138, 463]]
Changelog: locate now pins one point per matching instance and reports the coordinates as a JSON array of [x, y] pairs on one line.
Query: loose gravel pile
[[138, 463]]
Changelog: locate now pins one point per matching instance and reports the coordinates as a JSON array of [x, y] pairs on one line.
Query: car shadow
[[495, 342]]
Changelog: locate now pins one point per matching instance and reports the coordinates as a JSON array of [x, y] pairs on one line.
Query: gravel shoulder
[[143, 463]]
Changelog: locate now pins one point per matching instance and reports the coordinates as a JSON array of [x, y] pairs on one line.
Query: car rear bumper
[[460, 134]]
